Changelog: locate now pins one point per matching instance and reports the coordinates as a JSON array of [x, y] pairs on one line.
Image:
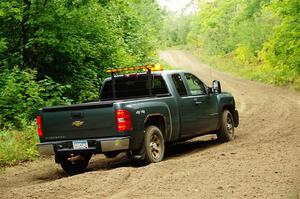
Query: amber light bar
[[155, 67]]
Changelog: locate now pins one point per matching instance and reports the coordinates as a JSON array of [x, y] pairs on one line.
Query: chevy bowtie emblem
[[77, 123]]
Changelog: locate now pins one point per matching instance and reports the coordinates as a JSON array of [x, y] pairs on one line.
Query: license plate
[[80, 144]]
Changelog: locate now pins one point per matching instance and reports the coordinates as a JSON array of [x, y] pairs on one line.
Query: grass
[[18, 146], [261, 73]]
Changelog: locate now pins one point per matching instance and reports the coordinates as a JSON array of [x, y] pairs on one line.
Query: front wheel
[[226, 131], [154, 145]]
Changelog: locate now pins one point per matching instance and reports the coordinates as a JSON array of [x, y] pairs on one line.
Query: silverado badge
[[77, 123]]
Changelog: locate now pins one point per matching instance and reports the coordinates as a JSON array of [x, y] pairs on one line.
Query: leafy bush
[[21, 96], [17, 146]]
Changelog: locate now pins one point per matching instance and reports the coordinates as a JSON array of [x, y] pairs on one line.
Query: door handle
[[197, 102]]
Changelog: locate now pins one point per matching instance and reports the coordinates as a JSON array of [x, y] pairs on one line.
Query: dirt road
[[262, 162]]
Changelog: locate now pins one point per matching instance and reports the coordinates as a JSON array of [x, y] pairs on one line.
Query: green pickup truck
[[137, 113]]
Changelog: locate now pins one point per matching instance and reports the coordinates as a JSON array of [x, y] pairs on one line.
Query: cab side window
[[177, 80], [196, 86]]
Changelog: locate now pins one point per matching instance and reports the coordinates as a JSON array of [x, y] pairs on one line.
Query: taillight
[[123, 118], [39, 125]]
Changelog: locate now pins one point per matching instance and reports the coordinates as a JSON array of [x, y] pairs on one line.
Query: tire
[[75, 167], [226, 131], [154, 145]]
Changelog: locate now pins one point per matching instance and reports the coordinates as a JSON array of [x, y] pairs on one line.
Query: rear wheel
[[74, 167], [226, 131], [154, 145]]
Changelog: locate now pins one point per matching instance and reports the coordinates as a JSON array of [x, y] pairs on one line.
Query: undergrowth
[[256, 72], [18, 146]]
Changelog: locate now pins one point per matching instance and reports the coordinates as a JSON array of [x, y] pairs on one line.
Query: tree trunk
[[24, 33]]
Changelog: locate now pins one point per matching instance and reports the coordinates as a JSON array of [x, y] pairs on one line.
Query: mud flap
[[236, 118]]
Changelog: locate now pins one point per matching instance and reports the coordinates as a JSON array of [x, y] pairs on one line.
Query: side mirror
[[216, 86]]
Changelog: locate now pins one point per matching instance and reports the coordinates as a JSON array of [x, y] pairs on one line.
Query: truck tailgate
[[83, 121]]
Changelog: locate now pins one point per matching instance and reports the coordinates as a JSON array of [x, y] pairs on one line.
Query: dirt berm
[[262, 162]]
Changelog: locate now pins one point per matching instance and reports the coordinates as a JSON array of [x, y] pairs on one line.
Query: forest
[[55, 51], [257, 39]]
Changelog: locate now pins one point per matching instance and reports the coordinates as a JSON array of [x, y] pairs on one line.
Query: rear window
[[133, 87]]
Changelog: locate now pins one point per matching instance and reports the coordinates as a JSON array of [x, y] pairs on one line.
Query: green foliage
[[3, 45], [260, 34], [283, 50], [21, 96], [252, 72], [78, 40], [176, 29], [17, 146]]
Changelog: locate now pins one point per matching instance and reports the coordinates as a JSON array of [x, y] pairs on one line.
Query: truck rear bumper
[[95, 146]]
